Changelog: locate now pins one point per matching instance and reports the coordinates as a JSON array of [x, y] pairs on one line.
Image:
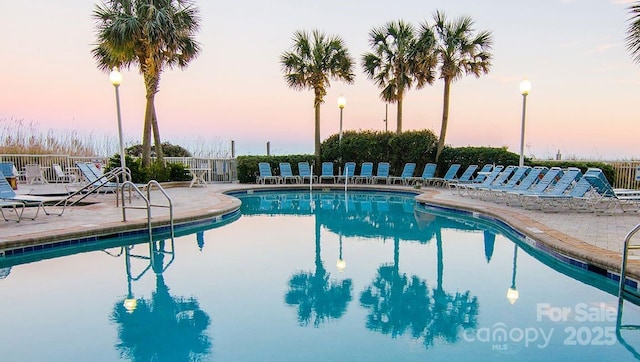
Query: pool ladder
[[131, 187], [624, 293]]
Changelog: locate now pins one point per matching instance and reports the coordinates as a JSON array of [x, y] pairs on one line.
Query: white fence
[[220, 169]]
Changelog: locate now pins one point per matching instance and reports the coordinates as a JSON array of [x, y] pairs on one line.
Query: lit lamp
[[525, 88], [130, 303], [341, 264], [116, 79], [512, 292], [342, 101]]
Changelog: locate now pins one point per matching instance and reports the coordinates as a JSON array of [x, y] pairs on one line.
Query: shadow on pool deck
[[594, 239]]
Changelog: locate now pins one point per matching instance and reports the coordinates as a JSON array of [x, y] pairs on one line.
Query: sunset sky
[[583, 102]]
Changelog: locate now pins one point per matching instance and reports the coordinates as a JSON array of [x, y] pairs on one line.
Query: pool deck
[[597, 240]]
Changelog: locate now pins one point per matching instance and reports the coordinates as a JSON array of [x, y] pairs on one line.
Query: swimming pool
[[321, 276]]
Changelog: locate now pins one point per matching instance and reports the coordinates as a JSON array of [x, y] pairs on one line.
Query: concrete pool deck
[[597, 240]]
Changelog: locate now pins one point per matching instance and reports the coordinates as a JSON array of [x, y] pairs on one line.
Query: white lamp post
[[116, 79], [512, 292], [342, 101], [525, 88]]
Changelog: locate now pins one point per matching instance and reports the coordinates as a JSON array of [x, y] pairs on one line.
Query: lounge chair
[[428, 173], [609, 198], [574, 199], [304, 170], [466, 177], [327, 172], [264, 168], [484, 171], [287, 175], [96, 183], [550, 177], [14, 205], [512, 181], [488, 179], [406, 175], [448, 176], [348, 173], [61, 176], [382, 173], [33, 174], [533, 176], [534, 200], [8, 195], [366, 172]]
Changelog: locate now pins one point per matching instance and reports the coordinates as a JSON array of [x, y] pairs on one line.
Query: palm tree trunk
[[156, 136], [151, 81], [146, 133], [445, 117], [399, 114]]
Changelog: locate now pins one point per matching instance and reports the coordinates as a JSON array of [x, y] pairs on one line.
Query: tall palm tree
[[396, 59], [459, 52], [633, 32], [154, 34], [313, 61]]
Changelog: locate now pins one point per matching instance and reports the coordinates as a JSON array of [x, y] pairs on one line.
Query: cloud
[[601, 49]]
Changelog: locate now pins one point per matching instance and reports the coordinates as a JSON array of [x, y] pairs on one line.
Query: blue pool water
[[312, 277]]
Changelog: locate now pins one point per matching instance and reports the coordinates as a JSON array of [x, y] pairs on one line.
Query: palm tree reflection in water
[[317, 296], [399, 303], [165, 327]]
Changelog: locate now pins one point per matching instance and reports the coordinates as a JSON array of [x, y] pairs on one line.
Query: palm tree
[[152, 34], [315, 59], [633, 32], [459, 52], [397, 58]]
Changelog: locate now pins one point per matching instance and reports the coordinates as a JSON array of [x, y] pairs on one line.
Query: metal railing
[[625, 294]]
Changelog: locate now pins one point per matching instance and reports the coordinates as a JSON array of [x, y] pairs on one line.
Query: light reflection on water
[[268, 286]]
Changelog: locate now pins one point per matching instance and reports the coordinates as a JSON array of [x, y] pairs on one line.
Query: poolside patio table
[[198, 176]]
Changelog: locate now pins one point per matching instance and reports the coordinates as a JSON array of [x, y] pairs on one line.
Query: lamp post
[[386, 118], [512, 292], [116, 79], [525, 87], [342, 101]]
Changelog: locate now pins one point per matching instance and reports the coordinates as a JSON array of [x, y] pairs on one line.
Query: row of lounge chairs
[[550, 189], [349, 175]]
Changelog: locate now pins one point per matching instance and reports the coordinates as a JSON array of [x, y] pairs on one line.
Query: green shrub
[[156, 171], [375, 146], [168, 150]]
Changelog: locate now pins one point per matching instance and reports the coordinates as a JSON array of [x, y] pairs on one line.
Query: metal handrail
[[94, 186], [622, 290], [149, 186], [130, 186], [625, 257]]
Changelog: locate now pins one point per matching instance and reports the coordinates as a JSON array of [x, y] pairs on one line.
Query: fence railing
[[220, 169], [625, 172]]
